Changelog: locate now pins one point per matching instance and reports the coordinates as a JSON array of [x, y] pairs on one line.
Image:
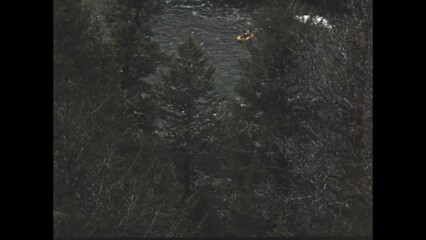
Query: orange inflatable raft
[[245, 37]]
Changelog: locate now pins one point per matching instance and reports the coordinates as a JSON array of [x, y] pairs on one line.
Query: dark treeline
[[172, 158]]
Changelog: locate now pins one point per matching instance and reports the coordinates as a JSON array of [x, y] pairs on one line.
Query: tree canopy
[[172, 158]]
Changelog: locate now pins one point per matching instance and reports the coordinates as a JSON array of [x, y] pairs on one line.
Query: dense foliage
[[171, 158]]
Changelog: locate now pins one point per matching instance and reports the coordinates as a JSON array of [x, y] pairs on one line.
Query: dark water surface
[[215, 26]]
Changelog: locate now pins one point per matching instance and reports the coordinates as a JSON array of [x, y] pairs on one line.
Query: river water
[[215, 26]]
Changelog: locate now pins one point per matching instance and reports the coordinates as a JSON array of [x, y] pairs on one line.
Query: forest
[[146, 144]]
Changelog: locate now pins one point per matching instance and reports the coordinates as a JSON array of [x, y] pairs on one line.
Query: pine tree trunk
[[187, 177], [188, 160]]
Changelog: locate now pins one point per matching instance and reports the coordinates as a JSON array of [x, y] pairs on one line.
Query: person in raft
[[245, 37]]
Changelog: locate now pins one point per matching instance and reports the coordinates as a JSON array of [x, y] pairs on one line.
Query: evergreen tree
[[137, 55], [305, 95], [191, 107], [192, 120], [109, 178], [89, 113]]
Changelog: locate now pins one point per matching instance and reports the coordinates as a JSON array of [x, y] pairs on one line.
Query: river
[[215, 26]]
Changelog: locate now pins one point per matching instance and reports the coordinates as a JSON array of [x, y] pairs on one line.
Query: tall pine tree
[[137, 55], [191, 107], [191, 126], [89, 117]]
